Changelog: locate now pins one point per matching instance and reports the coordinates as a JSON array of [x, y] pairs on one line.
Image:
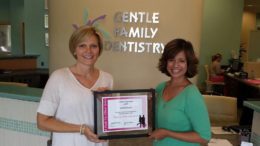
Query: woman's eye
[[93, 46], [182, 60], [82, 46]]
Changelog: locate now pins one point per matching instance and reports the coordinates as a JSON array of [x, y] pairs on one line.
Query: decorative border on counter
[[21, 93], [21, 126], [19, 97]]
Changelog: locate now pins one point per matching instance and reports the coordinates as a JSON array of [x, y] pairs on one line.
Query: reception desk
[[18, 106], [33, 77], [241, 89], [255, 134], [23, 69]]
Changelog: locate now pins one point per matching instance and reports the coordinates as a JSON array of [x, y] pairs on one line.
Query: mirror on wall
[[27, 20], [5, 38]]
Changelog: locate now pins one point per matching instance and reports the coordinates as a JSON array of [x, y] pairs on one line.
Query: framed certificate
[[124, 113]]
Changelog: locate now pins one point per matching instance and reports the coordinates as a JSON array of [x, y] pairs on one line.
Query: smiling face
[[177, 66], [178, 59], [87, 51]]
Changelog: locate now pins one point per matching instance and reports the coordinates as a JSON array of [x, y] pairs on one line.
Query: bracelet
[[82, 129]]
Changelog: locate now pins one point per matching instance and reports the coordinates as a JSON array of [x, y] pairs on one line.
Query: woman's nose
[[176, 63], [87, 49]]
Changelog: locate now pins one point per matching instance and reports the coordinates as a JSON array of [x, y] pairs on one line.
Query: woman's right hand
[[49, 123]]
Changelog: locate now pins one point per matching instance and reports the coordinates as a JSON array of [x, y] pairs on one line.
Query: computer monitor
[[236, 65]]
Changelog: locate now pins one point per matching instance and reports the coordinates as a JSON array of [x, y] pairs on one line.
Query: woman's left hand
[[158, 134]]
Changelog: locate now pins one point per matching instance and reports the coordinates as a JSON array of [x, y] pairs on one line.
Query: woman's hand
[[158, 134], [192, 136], [92, 136]]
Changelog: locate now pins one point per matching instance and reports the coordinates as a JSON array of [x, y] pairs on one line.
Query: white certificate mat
[[124, 113]]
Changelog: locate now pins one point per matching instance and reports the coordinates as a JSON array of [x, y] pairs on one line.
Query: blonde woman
[[66, 106]]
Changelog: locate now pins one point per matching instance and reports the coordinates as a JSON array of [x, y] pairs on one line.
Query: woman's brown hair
[[171, 49]]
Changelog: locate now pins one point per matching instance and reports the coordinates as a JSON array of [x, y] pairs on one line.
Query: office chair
[[222, 110], [212, 86]]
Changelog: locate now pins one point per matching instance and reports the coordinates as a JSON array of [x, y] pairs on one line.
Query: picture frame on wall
[[46, 21]]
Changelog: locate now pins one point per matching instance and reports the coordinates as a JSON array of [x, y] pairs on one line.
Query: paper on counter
[[219, 142], [243, 143]]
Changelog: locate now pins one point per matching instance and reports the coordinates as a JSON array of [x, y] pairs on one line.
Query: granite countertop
[[255, 105], [20, 93]]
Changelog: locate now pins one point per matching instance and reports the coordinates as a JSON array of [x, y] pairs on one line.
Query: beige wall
[[248, 24], [253, 69], [178, 18]]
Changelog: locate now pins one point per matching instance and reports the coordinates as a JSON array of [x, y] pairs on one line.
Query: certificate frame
[[124, 113]]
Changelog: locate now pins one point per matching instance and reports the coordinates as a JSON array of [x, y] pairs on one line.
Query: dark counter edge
[[255, 105], [4, 57], [21, 93]]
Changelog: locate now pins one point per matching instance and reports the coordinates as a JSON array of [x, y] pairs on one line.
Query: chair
[[210, 85], [222, 110], [14, 84]]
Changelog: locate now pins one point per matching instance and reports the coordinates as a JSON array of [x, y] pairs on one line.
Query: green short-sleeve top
[[186, 112]]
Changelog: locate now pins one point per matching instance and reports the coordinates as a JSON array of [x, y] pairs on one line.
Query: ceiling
[[252, 5]]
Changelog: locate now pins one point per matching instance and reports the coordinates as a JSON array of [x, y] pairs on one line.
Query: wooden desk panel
[[18, 62], [241, 89], [34, 78]]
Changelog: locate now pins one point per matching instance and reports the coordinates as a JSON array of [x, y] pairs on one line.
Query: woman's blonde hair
[[80, 34]]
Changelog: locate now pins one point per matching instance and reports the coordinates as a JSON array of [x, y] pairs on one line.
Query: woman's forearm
[[48, 123]]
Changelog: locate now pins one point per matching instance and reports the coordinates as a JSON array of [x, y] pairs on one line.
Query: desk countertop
[[255, 105], [254, 83], [20, 93]]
